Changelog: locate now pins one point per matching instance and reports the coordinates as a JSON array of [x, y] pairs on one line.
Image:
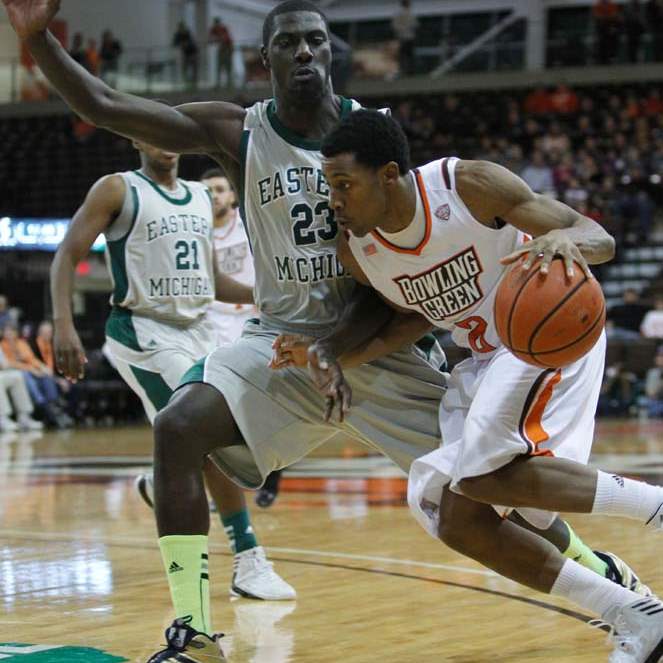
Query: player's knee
[[171, 426]]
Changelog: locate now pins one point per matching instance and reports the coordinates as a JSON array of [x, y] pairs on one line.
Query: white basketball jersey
[[160, 250], [452, 275], [233, 257]]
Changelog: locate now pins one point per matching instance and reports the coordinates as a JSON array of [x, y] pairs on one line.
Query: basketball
[[549, 321]]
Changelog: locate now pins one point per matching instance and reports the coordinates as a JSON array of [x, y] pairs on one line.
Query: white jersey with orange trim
[[452, 275], [233, 257], [496, 407]]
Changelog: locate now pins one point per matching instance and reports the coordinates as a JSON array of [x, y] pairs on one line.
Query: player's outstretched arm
[[491, 191], [209, 128], [102, 204]]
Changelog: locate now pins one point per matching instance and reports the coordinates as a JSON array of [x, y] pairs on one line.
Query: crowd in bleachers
[[34, 396], [600, 149]]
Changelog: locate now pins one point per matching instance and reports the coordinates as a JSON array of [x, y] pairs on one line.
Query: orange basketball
[[548, 321]]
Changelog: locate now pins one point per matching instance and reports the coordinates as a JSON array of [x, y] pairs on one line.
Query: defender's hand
[[70, 356], [290, 350], [328, 377], [553, 243], [30, 17]]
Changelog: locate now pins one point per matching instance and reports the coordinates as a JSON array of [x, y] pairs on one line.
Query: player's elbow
[[102, 108], [610, 247]]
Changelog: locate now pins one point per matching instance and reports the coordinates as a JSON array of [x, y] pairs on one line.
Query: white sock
[[619, 496], [589, 590]]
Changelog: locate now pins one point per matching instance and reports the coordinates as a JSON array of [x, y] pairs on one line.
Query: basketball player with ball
[[437, 241]]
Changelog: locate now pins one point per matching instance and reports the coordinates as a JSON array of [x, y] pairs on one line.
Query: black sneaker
[[268, 492], [622, 574], [186, 645]]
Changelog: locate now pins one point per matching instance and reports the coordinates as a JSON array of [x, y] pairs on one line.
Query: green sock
[[581, 553], [186, 562], [239, 531]]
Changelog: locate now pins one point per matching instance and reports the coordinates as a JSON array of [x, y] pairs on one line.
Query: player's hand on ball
[[70, 356], [30, 17], [546, 247], [290, 350], [327, 375]]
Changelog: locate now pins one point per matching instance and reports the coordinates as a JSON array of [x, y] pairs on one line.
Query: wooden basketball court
[[81, 575]]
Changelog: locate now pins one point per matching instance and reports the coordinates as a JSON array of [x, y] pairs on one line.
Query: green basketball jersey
[[300, 284], [160, 250]]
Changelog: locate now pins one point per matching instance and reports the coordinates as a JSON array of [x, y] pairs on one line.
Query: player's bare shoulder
[[488, 189], [108, 191]]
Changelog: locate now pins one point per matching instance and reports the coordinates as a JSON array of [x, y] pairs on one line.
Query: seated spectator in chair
[[39, 379], [618, 392], [654, 387], [627, 317], [12, 386], [5, 313], [652, 323]]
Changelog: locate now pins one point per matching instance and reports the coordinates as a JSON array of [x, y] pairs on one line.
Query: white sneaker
[[26, 422], [8, 425], [254, 578], [638, 631]]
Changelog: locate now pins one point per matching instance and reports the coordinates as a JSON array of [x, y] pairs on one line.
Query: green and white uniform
[[160, 255], [301, 287]]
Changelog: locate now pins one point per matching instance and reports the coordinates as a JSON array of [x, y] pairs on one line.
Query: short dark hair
[[213, 172], [374, 138], [285, 8]]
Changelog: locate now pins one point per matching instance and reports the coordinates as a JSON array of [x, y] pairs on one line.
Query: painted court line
[[121, 540]]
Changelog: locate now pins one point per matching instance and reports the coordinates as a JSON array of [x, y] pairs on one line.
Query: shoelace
[[619, 635]]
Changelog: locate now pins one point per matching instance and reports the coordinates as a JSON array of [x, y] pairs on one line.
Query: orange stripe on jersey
[[429, 224], [533, 425]]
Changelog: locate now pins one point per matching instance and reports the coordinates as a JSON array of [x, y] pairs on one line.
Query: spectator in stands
[[576, 195], [5, 313], [109, 56], [77, 51], [38, 377], [184, 41], [538, 174], [618, 391], [652, 323], [607, 21], [12, 385], [555, 139], [404, 25], [654, 13], [654, 387], [627, 316], [564, 101], [219, 35], [538, 102], [634, 26], [92, 57], [636, 206]]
